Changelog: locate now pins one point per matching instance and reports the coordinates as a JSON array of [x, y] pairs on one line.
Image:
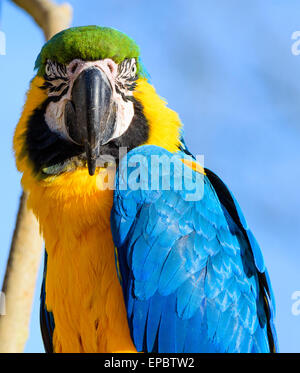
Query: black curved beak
[[90, 116]]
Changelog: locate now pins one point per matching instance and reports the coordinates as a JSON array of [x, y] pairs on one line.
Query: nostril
[[74, 67], [111, 67]]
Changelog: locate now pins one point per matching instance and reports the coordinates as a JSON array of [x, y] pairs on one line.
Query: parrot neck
[[73, 209], [164, 123], [82, 288]]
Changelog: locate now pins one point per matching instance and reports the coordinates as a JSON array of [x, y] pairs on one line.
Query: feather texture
[[191, 269]]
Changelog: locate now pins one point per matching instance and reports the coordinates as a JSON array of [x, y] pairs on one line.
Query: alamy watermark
[[295, 47], [296, 304], [2, 43], [154, 172]]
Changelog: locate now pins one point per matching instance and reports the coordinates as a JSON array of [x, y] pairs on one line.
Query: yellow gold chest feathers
[[73, 209], [82, 287]]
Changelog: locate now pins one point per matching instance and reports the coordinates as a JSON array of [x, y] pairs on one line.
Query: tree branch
[[50, 17], [20, 279], [26, 247]]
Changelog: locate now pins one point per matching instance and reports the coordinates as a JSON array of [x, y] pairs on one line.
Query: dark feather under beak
[[90, 116]]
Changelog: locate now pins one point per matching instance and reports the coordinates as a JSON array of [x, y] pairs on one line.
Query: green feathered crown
[[89, 43]]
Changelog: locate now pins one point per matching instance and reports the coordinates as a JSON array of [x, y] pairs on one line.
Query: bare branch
[[19, 281], [26, 247], [50, 17]]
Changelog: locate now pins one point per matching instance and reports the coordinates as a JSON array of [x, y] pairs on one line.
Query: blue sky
[[227, 68]]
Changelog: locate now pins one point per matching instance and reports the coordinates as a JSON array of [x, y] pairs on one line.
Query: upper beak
[[91, 113]]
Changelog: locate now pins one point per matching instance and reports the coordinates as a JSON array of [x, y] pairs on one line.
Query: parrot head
[[89, 98]]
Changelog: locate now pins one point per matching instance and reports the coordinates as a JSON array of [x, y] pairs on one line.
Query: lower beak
[[91, 114]]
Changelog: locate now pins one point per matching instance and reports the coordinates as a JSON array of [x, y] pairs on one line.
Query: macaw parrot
[[146, 250]]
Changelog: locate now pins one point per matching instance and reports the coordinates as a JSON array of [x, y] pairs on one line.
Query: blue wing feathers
[[259, 260], [153, 321], [46, 317], [193, 275]]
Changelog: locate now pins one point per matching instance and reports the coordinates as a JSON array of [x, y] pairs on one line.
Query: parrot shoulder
[[192, 274]]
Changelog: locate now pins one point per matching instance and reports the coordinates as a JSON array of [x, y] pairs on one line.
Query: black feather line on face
[[58, 88], [46, 148], [136, 134], [55, 78]]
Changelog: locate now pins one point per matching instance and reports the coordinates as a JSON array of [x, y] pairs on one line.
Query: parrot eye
[[48, 69], [56, 79], [127, 69], [55, 70], [127, 74], [133, 69]]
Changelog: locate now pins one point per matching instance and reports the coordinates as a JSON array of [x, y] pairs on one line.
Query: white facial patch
[[125, 113], [55, 117], [121, 78]]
